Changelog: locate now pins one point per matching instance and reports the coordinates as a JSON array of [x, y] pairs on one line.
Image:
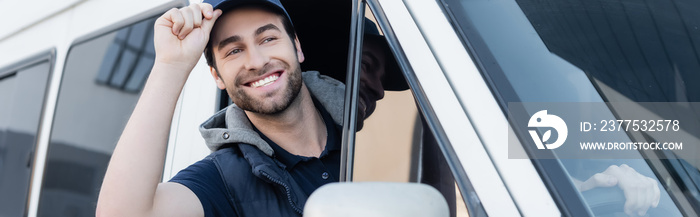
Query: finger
[[612, 169], [188, 25], [599, 180], [604, 180], [208, 24], [657, 194], [626, 167], [197, 13], [630, 200], [640, 199], [177, 19], [207, 10], [647, 197]]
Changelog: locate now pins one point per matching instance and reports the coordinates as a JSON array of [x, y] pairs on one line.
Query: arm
[[131, 185]]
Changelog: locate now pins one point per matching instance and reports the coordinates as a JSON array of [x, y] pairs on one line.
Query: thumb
[[599, 180], [208, 24]]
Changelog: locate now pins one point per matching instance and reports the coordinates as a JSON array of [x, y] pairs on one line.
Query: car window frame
[[469, 196], [12, 69], [352, 84]]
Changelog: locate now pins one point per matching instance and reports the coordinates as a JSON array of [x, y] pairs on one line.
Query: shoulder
[[208, 169], [203, 169], [205, 180]]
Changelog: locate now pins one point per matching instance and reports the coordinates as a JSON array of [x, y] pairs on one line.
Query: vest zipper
[[287, 189]]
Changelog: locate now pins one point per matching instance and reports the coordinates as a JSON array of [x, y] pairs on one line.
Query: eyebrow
[[229, 40], [265, 28], [236, 38]]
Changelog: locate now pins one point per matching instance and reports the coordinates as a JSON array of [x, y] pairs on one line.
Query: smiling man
[[275, 145]]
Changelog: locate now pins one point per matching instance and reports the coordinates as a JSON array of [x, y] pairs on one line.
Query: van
[[71, 72]]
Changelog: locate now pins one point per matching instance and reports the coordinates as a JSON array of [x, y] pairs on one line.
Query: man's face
[[371, 89], [256, 60]]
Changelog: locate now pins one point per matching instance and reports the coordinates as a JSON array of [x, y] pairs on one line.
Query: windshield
[[618, 51]]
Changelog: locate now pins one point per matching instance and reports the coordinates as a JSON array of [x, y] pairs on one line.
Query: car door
[[440, 116]]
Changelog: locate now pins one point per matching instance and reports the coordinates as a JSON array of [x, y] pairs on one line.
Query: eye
[[234, 51], [269, 39]]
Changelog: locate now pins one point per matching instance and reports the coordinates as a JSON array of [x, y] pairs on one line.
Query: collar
[[230, 125], [290, 160]]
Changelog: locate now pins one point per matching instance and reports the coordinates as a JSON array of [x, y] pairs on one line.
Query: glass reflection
[[21, 101], [101, 83], [592, 51]]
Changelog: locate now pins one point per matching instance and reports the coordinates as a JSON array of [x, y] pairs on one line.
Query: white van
[[71, 72]]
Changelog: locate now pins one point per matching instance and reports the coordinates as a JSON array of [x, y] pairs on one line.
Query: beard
[[267, 104]]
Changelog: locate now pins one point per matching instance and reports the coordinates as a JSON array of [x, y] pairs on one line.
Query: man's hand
[[640, 191], [180, 35]]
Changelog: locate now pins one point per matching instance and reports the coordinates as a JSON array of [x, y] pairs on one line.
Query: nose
[[256, 59]]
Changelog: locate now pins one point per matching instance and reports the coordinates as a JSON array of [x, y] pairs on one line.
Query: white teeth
[[265, 81]]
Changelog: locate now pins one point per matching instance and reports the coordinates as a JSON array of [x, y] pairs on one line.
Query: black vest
[[256, 184]]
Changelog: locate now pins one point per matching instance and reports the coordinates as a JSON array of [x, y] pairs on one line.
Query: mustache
[[245, 75]]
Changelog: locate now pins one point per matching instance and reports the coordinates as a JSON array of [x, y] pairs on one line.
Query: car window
[[22, 93], [102, 80], [393, 141], [591, 51]]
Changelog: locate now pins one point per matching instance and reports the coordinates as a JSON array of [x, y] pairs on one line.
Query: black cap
[[226, 5]]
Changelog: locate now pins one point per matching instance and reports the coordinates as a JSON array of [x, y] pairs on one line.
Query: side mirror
[[369, 199]]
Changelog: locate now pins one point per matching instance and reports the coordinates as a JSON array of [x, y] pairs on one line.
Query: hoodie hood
[[230, 125]]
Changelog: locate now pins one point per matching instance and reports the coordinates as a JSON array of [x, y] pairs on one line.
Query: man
[[278, 143]]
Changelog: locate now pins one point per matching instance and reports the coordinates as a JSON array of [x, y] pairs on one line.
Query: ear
[[300, 54], [219, 83]]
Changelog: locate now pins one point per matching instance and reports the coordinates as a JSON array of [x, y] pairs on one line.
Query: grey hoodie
[[230, 125]]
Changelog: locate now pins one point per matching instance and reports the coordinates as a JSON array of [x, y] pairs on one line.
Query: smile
[[265, 81]]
